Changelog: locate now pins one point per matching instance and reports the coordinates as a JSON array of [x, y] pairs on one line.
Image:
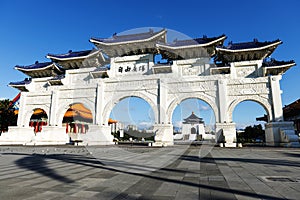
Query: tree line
[[7, 115]]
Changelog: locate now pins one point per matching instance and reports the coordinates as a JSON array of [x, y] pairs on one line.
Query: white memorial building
[[192, 129], [125, 66]]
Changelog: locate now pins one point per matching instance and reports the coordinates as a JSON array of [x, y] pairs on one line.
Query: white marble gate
[[125, 66]]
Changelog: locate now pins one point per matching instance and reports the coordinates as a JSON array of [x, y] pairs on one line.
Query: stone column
[[22, 111], [276, 98], [98, 133], [53, 109], [162, 102], [225, 130], [164, 131], [222, 101], [98, 118], [275, 129], [22, 133]]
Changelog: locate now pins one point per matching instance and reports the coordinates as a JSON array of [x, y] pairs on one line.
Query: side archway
[[38, 119], [264, 103], [66, 105], [77, 119], [31, 111]]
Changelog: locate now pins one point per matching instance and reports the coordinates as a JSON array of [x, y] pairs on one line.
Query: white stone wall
[[189, 79]]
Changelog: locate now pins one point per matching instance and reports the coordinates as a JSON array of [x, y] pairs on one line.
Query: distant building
[[116, 126], [291, 112], [113, 125], [193, 128]]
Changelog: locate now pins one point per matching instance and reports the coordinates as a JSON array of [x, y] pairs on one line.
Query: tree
[[251, 134], [7, 115]]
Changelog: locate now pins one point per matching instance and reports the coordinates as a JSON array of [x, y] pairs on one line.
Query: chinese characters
[[135, 68]]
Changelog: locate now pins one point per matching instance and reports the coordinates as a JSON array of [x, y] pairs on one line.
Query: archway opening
[[132, 119], [77, 119], [193, 119], [250, 118], [38, 119]]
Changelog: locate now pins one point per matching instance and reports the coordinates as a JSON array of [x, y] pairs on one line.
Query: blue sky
[[31, 29]]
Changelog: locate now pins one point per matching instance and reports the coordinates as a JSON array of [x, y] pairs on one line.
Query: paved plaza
[[177, 172]]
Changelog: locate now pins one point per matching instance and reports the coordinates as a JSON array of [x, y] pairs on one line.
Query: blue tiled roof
[[129, 37], [195, 41], [274, 62], [249, 45], [37, 65], [193, 118], [24, 82], [72, 54]]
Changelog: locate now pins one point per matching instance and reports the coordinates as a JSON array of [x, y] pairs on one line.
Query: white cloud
[[144, 125], [204, 108], [178, 124]]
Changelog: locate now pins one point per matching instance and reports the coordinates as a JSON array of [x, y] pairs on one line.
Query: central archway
[[201, 97], [132, 117], [193, 119]]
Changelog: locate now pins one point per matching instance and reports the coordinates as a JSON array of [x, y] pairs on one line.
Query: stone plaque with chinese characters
[[131, 68]]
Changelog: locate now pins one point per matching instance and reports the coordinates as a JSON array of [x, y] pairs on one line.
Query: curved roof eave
[[191, 46], [52, 57], [37, 69], [280, 66], [95, 41], [249, 49]]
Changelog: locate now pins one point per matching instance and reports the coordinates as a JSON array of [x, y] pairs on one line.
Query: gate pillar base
[[163, 135], [98, 135], [50, 135], [226, 134], [17, 136], [281, 134]]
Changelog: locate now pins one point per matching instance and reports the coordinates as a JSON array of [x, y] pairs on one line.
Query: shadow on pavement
[[38, 163]]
